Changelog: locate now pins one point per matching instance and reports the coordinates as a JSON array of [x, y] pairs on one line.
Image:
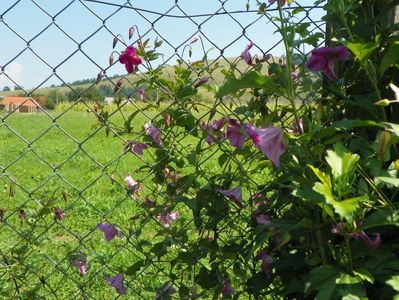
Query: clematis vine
[[153, 132], [269, 140], [117, 283], [233, 194], [129, 59], [246, 55], [109, 231], [324, 59]]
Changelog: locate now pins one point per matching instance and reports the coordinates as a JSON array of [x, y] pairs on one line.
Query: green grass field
[[42, 159]]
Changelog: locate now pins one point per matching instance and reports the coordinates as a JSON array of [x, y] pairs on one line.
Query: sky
[[45, 42]]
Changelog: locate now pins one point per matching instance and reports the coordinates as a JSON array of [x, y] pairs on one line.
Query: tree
[[6, 89], [92, 94], [55, 97]]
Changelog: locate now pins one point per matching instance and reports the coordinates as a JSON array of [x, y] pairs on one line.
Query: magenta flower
[[323, 59], [167, 219], [141, 92], [153, 132], [81, 263], [117, 283], [282, 2], [236, 133], [227, 288], [233, 194], [129, 59], [109, 231], [269, 140], [59, 214], [246, 55]]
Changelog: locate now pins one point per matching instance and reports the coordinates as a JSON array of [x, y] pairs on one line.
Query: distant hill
[[168, 71]]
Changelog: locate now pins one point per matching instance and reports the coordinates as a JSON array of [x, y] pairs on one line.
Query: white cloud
[[14, 71]]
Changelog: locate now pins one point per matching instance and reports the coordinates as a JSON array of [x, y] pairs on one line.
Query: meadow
[[66, 159]]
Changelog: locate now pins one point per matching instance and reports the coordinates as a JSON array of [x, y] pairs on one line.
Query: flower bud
[[383, 102], [383, 143], [111, 59], [114, 42], [131, 32], [118, 85]]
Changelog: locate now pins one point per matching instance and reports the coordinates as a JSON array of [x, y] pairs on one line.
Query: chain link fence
[[62, 168]]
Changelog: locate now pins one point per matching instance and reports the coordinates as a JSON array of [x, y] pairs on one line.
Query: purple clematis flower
[[246, 55], [214, 130], [141, 92], [263, 219], [233, 194], [129, 59], [130, 182], [59, 214], [117, 283], [81, 263], [357, 233], [323, 59], [227, 288], [266, 262], [109, 231], [269, 140], [236, 133], [153, 132], [167, 219]]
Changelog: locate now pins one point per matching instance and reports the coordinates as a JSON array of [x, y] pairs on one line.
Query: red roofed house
[[19, 104]]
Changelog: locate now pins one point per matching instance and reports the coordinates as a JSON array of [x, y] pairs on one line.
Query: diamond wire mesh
[[45, 162]]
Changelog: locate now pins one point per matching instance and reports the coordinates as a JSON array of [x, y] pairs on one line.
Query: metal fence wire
[[62, 168]]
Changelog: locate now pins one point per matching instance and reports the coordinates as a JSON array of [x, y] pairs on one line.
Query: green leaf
[[324, 178], [249, 80], [394, 282], [362, 50], [322, 280], [364, 275], [389, 180], [382, 217], [392, 56], [342, 163], [348, 207], [132, 270]]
